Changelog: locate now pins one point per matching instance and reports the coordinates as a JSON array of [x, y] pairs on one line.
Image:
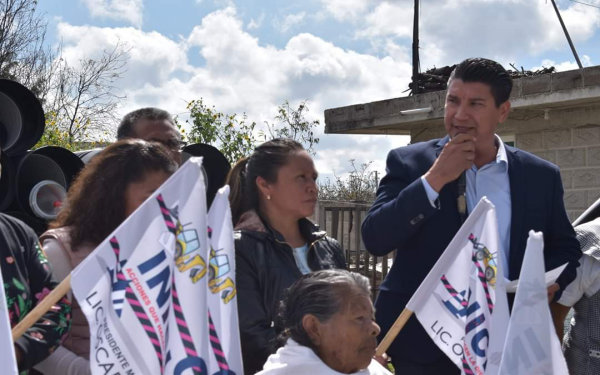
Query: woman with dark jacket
[[272, 192]]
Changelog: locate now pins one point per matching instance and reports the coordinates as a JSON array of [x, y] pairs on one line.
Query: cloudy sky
[[252, 55]]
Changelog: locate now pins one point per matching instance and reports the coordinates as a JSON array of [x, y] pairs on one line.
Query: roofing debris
[[436, 79]]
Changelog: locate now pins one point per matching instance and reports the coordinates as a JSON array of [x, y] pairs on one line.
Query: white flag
[[7, 354], [456, 300], [222, 296], [532, 346], [499, 324], [144, 289]]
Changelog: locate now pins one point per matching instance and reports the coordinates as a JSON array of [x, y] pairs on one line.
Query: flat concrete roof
[[531, 97]]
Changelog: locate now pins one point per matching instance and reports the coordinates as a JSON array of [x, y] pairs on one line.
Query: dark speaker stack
[[33, 184]]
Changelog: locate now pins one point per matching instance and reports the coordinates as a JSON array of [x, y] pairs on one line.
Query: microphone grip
[[462, 184], [461, 202]]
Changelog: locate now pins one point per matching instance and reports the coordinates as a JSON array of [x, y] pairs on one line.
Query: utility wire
[[581, 2]]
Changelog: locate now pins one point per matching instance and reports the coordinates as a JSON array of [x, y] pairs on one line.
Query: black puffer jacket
[[265, 267]]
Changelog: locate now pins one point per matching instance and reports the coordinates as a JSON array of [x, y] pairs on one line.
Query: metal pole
[[415, 50], [566, 34]]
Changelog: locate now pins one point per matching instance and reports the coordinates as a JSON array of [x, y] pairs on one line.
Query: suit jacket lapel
[[439, 145], [517, 177]]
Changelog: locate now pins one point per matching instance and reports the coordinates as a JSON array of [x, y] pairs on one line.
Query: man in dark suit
[[417, 209]]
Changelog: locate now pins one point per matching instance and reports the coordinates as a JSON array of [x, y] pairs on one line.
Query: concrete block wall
[[576, 151]]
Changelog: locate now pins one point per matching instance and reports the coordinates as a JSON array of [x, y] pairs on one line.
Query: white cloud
[[290, 21], [256, 23], [499, 29], [389, 19], [565, 65], [121, 10], [239, 74], [152, 57], [346, 10], [153, 63]]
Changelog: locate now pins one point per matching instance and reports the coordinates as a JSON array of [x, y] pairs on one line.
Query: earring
[[268, 197]]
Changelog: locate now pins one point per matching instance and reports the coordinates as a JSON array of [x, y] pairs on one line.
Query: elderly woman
[[329, 327]]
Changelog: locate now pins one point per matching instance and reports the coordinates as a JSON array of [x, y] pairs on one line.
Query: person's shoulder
[[12, 224], [330, 244], [248, 243]]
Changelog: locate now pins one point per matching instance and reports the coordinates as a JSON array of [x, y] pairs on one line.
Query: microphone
[[461, 202]]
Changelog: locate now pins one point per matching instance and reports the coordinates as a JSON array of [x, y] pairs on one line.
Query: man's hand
[[551, 290], [456, 157]]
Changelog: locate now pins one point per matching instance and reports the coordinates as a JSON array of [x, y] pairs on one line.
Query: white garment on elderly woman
[[296, 359]]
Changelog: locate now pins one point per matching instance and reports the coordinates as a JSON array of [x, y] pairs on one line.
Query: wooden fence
[[342, 221]]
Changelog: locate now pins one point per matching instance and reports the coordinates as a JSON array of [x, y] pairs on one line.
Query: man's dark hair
[[126, 127], [485, 71]]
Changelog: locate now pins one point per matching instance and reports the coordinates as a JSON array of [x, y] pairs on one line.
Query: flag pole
[[393, 332], [34, 315]]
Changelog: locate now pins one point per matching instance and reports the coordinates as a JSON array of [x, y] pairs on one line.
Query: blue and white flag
[[532, 346], [222, 296], [455, 303], [145, 289], [7, 354]]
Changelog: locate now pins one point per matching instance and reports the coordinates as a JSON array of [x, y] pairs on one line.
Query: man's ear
[[312, 326], [504, 111]]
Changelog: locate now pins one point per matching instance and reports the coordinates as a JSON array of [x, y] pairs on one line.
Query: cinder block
[[556, 138], [573, 157], [567, 178], [388, 107], [337, 114], [586, 136], [591, 76], [428, 134], [536, 85], [529, 141], [593, 156], [592, 196], [548, 155], [566, 80], [586, 178], [360, 111], [575, 200], [516, 89], [573, 214]]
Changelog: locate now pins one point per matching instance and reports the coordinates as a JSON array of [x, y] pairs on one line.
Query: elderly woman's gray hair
[[322, 294]]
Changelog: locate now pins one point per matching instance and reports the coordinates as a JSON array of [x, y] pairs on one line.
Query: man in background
[[152, 124]]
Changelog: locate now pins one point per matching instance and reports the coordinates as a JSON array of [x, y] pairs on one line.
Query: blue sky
[[249, 56]]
